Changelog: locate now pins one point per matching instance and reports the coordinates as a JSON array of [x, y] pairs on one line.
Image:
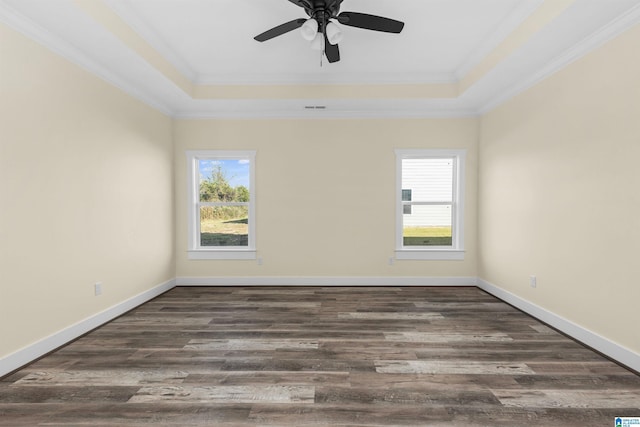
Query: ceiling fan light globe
[[318, 42], [309, 29], [334, 35]]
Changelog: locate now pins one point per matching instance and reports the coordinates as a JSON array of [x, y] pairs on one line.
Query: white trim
[[126, 11], [325, 281], [505, 29], [40, 348], [430, 254], [66, 50], [338, 79], [34, 351], [365, 109], [132, 17], [456, 251], [172, 101], [603, 345], [430, 152], [589, 44], [240, 254], [195, 251], [460, 182]]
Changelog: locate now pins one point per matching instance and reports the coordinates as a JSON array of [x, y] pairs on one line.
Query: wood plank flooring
[[380, 356]]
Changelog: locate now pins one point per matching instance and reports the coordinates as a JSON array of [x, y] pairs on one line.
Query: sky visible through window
[[236, 171]]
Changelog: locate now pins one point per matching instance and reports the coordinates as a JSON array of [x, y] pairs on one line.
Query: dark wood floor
[[321, 356]]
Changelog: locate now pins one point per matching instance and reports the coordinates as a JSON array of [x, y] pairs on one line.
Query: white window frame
[[456, 250], [194, 249]]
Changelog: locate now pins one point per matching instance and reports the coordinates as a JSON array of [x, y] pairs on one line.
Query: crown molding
[[129, 15], [508, 26], [27, 27], [433, 114], [126, 11], [174, 103], [364, 110], [587, 45], [259, 79]]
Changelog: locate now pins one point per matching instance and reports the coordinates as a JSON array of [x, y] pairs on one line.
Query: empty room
[[319, 212]]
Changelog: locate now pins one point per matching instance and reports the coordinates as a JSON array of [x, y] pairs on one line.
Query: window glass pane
[[428, 226], [406, 195], [224, 226], [224, 180], [428, 180]]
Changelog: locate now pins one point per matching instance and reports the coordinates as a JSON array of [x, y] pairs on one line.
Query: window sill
[[435, 255], [239, 254]]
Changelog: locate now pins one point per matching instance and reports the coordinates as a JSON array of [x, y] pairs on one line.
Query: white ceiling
[[213, 40], [483, 51]]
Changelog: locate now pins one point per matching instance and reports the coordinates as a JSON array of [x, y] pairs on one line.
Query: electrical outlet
[[533, 281], [391, 261], [97, 288], [260, 261]]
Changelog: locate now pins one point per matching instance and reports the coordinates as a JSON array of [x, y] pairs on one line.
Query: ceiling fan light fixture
[[334, 35], [318, 42], [321, 26], [309, 29]]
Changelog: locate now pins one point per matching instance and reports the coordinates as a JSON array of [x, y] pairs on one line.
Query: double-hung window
[[221, 204], [430, 204]]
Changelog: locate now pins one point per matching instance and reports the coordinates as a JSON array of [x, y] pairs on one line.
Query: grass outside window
[[427, 236]]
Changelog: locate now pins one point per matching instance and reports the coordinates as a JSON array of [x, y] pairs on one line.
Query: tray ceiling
[[197, 58]]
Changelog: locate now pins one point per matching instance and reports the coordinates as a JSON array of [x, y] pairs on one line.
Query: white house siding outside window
[[221, 204], [430, 204]]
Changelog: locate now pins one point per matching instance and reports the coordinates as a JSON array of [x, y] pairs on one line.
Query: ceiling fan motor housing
[[322, 9]]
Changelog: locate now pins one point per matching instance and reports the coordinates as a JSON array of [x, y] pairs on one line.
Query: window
[[429, 210], [221, 204]]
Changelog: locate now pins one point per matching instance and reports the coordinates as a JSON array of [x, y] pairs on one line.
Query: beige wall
[[86, 193], [325, 194], [559, 192]]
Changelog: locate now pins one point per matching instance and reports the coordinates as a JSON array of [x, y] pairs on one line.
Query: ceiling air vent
[[315, 107]]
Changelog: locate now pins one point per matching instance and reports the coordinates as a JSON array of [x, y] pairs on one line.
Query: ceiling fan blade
[[302, 3], [331, 51], [280, 30], [370, 22]]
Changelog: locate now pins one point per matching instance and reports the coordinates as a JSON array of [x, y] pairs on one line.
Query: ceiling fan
[[321, 28]]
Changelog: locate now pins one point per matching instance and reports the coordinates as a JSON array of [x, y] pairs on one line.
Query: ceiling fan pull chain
[[323, 52]]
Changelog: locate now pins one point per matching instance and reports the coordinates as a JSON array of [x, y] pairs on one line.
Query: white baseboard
[[30, 353], [34, 351], [326, 281], [593, 340]]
